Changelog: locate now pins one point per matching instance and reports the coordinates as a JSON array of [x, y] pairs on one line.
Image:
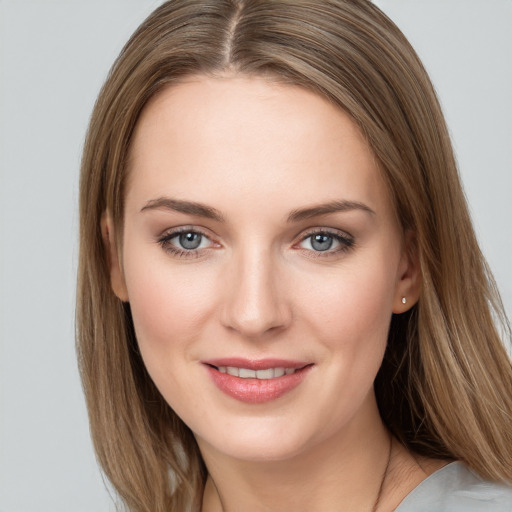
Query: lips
[[256, 381], [247, 373]]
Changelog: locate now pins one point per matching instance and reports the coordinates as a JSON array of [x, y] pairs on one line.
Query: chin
[[260, 442]]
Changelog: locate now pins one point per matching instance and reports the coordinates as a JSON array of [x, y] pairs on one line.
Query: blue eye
[[322, 241], [185, 242], [189, 240]]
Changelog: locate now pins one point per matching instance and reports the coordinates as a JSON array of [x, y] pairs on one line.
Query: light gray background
[[54, 55]]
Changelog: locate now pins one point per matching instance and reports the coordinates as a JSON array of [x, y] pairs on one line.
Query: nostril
[[254, 304]]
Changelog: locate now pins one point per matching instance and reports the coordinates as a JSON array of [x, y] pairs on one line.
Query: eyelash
[[167, 246], [346, 243]]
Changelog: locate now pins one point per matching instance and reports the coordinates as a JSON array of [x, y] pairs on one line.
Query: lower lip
[[257, 391]]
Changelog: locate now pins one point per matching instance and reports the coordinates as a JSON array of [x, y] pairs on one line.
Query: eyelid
[[339, 233], [345, 239], [185, 228], [164, 238]]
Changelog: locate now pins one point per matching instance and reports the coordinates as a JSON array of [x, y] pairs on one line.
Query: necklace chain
[[377, 501], [384, 476]]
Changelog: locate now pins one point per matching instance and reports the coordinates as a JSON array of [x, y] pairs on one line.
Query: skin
[[255, 152]]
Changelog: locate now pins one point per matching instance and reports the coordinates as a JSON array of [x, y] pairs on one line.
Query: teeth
[[246, 373], [232, 371], [278, 372], [265, 374]]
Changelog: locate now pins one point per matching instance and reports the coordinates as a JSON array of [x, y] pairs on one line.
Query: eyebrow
[[327, 208], [189, 207], [202, 210]]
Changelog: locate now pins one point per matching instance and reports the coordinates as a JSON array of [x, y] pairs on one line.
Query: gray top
[[455, 488]]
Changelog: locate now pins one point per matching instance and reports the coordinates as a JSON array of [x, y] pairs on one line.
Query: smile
[[257, 382], [246, 373]]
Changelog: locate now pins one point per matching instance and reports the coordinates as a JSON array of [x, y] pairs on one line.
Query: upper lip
[[255, 364]]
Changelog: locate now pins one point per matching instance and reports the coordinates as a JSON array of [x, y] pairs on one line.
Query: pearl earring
[[404, 300]]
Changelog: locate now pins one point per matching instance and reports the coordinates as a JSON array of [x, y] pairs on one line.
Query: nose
[[255, 296]]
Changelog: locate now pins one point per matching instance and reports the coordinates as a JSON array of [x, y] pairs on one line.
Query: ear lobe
[[116, 275], [409, 283]]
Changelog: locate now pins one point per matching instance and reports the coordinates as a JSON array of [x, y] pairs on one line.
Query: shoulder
[[455, 488]]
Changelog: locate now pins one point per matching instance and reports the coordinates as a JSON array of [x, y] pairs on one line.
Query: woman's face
[[262, 263]]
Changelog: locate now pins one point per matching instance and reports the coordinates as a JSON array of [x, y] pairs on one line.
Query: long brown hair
[[445, 386]]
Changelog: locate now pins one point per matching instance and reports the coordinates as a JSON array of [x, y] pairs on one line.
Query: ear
[[408, 286], [116, 274]]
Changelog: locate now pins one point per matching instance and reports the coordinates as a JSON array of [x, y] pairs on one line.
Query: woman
[[281, 301]]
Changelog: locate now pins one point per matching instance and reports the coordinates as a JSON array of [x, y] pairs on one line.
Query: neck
[[343, 472]]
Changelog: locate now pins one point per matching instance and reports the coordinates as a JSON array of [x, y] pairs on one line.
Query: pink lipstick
[[256, 381]]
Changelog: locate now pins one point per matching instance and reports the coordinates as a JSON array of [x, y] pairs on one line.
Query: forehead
[[208, 139]]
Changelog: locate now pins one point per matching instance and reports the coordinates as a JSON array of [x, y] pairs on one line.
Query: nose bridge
[[255, 302]]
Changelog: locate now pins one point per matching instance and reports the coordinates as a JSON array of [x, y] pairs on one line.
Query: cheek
[[349, 313], [168, 308], [352, 301]]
